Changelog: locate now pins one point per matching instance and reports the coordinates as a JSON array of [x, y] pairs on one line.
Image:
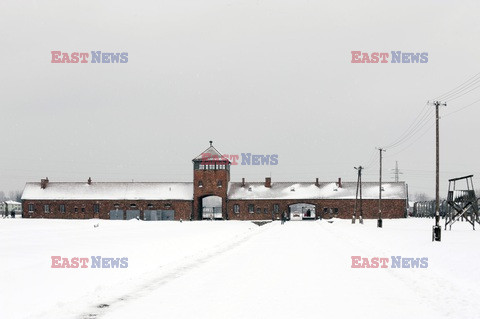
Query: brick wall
[[182, 208], [391, 208]]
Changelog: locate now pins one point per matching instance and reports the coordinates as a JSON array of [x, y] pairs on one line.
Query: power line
[[416, 140], [456, 89], [408, 130], [417, 128], [463, 108]]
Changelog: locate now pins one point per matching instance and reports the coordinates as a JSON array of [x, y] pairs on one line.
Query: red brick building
[[211, 195]]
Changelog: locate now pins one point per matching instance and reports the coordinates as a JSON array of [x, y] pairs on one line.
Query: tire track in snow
[[173, 271]]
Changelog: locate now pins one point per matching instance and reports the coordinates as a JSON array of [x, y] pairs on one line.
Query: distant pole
[[436, 236], [361, 207], [379, 221], [359, 190], [396, 171]]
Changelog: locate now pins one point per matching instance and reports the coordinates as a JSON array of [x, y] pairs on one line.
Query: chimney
[[317, 183], [89, 181], [268, 182], [43, 183], [339, 182], [243, 181]]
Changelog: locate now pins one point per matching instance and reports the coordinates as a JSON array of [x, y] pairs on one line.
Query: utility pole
[[379, 221], [359, 187], [436, 234]]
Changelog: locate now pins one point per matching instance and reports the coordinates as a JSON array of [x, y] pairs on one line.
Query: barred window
[[250, 208], [46, 208], [31, 208], [236, 208], [275, 208], [62, 208]]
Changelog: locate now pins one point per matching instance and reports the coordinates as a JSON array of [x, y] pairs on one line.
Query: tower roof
[[210, 154]]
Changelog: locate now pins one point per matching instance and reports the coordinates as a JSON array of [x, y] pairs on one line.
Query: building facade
[[211, 195]]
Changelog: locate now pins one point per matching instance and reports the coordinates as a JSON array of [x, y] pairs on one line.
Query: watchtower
[[462, 203]]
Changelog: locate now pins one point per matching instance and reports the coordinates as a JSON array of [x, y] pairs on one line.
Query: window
[[265, 210], [211, 166], [150, 206], [219, 184], [62, 208], [259, 210], [76, 210], [335, 210], [275, 208], [325, 210], [200, 184], [250, 208], [83, 209], [202, 166], [31, 208], [236, 208], [133, 205], [96, 208], [116, 206], [46, 208]]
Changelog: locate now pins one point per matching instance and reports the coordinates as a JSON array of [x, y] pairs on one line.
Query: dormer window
[[250, 188]]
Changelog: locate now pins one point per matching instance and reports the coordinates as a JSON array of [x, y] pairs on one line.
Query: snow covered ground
[[236, 270]]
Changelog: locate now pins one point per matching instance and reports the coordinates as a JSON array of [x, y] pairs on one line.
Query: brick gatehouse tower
[[211, 175]]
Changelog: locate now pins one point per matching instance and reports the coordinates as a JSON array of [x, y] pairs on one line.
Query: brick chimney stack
[[89, 181], [317, 183], [339, 182], [243, 181], [268, 182], [43, 183]]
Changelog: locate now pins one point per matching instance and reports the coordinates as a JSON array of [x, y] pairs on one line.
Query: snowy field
[[236, 270]]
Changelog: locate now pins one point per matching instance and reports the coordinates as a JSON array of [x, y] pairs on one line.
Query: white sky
[[266, 77]]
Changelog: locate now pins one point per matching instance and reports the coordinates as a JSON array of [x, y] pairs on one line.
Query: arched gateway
[[211, 174]]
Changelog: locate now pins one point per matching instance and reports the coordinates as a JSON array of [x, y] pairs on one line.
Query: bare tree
[[421, 197], [15, 195]]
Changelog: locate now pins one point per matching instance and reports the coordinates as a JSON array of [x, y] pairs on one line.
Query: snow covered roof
[[12, 202], [109, 191], [212, 154], [292, 190]]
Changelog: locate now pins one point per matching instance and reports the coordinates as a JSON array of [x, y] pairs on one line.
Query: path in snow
[[303, 270]]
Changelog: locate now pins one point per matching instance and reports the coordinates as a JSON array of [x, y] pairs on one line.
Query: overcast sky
[[265, 77]]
